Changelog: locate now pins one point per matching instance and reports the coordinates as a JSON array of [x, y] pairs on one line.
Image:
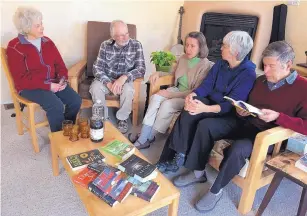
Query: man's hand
[[153, 78], [54, 87], [118, 85], [163, 93], [242, 112], [269, 115]]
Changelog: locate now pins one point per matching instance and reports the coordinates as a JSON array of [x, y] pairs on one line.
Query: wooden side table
[[284, 166]]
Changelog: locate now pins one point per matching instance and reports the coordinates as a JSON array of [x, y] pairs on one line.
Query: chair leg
[[31, 112], [135, 115], [18, 117], [135, 105]]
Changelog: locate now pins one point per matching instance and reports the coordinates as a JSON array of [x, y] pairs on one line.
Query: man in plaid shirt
[[119, 62]]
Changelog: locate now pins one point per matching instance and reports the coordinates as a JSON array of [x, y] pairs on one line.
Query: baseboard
[[8, 106]]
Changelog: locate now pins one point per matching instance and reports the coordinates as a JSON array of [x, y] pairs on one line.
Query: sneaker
[[208, 202], [179, 159], [122, 126], [140, 146], [161, 166], [187, 179]]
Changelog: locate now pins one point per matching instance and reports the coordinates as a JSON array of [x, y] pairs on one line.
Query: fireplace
[[216, 25]]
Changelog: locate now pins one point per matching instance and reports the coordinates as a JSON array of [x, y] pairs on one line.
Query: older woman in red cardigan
[[38, 70]]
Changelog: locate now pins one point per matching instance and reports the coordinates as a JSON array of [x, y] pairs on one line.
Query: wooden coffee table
[[61, 147]]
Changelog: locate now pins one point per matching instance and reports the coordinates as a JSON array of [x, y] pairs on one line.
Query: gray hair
[[202, 43], [24, 18], [113, 23], [239, 42], [280, 49]]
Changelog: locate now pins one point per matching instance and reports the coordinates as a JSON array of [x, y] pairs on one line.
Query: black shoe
[[133, 139], [140, 146]]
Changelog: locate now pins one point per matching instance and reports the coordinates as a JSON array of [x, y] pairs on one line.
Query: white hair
[[239, 42], [280, 49], [113, 23], [24, 18]]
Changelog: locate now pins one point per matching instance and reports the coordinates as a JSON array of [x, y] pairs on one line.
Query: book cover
[[138, 168], [103, 196], [98, 166], [84, 177], [302, 163], [106, 179], [297, 144], [119, 149], [81, 160], [121, 190], [254, 111], [146, 190]]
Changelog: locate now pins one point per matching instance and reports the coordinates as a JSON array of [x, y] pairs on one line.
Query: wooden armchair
[[257, 176], [81, 74], [17, 100]]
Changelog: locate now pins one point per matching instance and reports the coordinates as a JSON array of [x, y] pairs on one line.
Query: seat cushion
[[84, 90]]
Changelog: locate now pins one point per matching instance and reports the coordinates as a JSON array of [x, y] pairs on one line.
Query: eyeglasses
[[121, 35]]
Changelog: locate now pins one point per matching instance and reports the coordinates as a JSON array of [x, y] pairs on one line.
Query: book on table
[[84, 177], [254, 111], [146, 190], [98, 166], [111, 181], [119, 149], [138, 168], [302, 163], [101, 195], [297, 144], [81, 160]]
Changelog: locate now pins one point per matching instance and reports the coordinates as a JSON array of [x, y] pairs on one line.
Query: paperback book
[[254, 111], [119, 149], [81, 160]]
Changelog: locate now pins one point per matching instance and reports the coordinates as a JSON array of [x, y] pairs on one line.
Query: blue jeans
[[53, 104]]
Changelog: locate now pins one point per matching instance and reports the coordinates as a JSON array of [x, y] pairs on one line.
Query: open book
[[254, 111]]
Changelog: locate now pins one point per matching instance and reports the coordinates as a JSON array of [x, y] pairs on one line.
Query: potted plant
[[163, 60]]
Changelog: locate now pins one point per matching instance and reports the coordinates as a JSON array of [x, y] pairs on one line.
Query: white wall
[[65, 23]]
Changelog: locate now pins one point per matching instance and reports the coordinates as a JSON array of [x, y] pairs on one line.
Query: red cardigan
[[32, 69], [290, 100]]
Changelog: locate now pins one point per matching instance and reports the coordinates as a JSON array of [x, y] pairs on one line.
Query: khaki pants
[[99, 91], [160, 112]]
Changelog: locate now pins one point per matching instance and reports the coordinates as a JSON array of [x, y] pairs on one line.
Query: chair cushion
[[97, 32], [84, 90]]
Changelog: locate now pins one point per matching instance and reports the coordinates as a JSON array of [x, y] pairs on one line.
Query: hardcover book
[[138, 168], [119, 149], [81, 160]]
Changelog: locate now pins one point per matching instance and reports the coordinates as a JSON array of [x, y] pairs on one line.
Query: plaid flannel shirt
[[113, 61]]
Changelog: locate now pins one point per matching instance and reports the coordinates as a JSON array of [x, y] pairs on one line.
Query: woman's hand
[[242, 112], [153, 78], [163, 93], [189, 99], [196, 107], [55, 87]]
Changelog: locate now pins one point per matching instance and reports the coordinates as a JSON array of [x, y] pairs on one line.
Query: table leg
[[173, 207], [270, 192], [302, 209], [55, 160]]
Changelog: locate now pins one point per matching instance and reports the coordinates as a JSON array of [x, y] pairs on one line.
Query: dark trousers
[[53, 104], [194, 136]]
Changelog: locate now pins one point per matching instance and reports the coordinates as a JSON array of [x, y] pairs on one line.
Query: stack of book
[[113, 185]]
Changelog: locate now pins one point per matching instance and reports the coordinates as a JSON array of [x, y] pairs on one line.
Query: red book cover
[[84, 177], [106, 179]]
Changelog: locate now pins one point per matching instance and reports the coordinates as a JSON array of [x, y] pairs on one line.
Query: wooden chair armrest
[[77, 69], [75, 73], [163, 80], [262, 142], [271, 136]]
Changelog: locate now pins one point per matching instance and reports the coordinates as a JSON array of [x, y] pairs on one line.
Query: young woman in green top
[[191, 69]]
